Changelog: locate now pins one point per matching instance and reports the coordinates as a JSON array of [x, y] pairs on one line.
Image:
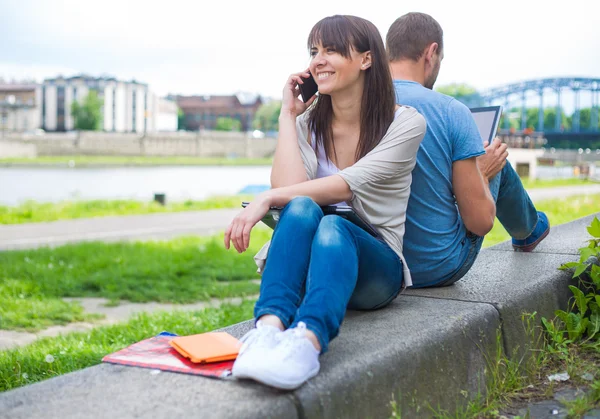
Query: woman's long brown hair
[[343, 33]]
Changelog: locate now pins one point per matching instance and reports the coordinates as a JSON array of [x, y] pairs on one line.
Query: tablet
[[272, 217], [487, 119]]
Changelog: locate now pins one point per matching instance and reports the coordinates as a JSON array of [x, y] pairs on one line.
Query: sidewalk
[[112, 314], [138, 227], [160, 226]]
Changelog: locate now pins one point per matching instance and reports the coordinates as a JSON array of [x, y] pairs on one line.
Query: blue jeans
[[318, 266], [514, 210]]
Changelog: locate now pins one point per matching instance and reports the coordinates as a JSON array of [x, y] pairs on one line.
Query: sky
[[225, 47]]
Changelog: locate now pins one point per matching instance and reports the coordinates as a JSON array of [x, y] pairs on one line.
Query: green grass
[[86, 161], [559, 211], [181, 270], [22, 308], [75, 351], [34, 212], [552, 183]]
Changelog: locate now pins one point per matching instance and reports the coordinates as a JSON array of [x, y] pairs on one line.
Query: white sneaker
[[289, 364], [256, 343]]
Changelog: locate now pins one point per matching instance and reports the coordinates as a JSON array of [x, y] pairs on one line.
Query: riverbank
[[33, 283], [130, 161], [454, 345], [33, 212], [181, 270]]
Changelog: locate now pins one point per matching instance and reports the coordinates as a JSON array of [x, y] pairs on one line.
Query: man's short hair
[[410, 34]]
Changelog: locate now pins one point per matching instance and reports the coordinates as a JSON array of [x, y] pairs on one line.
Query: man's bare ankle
[[272, 320]]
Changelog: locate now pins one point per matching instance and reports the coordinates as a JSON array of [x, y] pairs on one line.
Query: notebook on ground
[[156, 353], [207, 347]]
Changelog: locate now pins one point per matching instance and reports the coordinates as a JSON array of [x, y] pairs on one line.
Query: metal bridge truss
[[558, 86]]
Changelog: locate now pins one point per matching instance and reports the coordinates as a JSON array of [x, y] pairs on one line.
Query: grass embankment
[[46, 358], [91, 161], [34, 212], [182, 270], [559, 211], [553, 183]]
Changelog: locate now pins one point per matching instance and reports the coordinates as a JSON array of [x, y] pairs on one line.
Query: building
[[129, 106], [166, 117], [19, 107], [202, 112]]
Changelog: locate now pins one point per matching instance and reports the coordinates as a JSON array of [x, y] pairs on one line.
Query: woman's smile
[[324, 75]]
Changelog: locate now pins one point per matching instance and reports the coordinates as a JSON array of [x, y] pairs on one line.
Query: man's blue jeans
[[318, 266], [514, 210]]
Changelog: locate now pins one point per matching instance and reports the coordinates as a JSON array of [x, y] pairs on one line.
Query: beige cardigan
[[380, 181]]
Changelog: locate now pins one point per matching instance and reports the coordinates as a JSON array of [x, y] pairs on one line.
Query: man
[[459, 183]]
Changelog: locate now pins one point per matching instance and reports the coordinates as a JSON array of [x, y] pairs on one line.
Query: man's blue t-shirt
[[435, 244]]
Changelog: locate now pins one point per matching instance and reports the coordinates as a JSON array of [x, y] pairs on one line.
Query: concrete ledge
[[419, 350], [114, 391], [514, 283], [427, 348]]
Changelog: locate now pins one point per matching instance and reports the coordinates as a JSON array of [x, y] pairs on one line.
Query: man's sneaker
[[289, 364], [256, 344], [541, 230]]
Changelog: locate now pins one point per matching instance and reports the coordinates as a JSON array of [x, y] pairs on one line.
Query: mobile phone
[[309, 88]]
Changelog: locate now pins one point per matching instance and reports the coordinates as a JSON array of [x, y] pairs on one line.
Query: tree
[[228, 124], [267, 116], [550, 119], [533, 117], [88, 116], [514, 119], [462, 92], [180, 119], [585, 118]]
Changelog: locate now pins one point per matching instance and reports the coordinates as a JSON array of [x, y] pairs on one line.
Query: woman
[[353, 146]]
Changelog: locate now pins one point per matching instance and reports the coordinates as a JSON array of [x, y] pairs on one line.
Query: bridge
[[550, 95]]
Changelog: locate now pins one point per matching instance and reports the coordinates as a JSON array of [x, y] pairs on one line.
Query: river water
[[178, 183], [141, 183]]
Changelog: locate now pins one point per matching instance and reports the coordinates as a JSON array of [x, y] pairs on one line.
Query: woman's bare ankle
[[272, 320], [313, 339]]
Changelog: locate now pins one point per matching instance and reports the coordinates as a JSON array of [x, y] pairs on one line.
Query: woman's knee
[[302, 207], [331, 231]]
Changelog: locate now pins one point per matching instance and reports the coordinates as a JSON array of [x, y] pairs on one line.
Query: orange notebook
[[207, 347]]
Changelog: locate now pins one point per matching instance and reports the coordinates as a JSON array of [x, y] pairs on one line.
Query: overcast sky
[[222, 47]]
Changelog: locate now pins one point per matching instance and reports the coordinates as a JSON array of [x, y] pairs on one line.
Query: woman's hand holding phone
[[291, 102]]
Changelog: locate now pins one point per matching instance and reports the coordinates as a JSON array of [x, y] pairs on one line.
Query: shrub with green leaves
[[582, 322]]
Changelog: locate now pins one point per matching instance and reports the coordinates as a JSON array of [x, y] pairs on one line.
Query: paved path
[[112, 314], [138, 227], [563, 191], [155, 226]]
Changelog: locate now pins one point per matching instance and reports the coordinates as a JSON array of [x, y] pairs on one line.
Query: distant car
[[258, 134]]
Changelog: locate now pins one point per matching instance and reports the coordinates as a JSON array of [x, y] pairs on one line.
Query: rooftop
[[17, 87]]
